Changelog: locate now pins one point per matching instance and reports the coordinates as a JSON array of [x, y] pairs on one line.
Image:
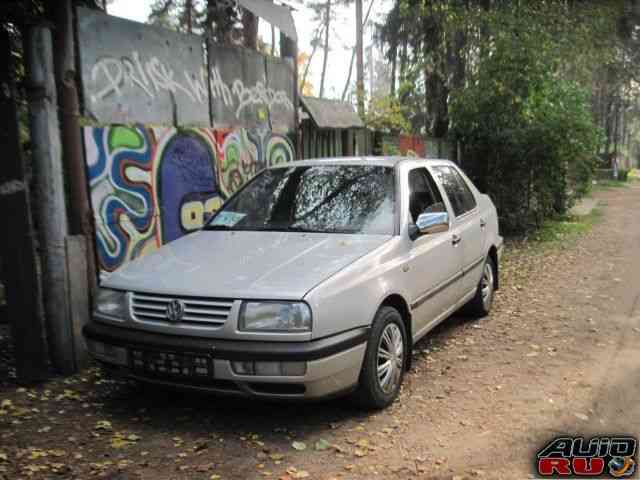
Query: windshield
[[324, 198]]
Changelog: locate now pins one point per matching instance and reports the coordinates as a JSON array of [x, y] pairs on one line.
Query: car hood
[[259, 265]]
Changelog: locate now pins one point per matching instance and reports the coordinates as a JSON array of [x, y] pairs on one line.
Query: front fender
[[351, 297]]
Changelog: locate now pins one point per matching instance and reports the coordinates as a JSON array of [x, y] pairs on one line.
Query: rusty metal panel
[[139, 73]]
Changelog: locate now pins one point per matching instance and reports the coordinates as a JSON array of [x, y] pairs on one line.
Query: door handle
[[483, 223], [456, 239]]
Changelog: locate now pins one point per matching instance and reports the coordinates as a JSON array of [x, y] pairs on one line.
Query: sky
[[341, 40]]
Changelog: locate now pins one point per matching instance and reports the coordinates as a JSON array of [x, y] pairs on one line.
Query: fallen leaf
[[103, 425], [299, 446], [322, 444]]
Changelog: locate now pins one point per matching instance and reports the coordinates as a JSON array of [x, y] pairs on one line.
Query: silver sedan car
[[314, 280]]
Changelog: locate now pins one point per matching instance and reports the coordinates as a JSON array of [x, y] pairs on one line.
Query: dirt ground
[[559, 354]]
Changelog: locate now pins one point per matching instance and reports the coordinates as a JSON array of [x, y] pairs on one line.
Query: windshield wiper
[[320, 230], [217, 227]]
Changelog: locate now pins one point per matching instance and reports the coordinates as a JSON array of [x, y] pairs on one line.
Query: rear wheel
[[480, 304], [384, 362]]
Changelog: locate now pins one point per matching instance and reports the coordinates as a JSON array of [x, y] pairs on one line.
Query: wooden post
[[50, 192], [76, 248], [81, 215], [19, 261]]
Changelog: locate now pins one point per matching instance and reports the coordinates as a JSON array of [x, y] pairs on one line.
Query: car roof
[[391, 161]]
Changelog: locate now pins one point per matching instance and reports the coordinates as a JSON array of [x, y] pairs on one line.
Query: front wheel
[[384, 361]]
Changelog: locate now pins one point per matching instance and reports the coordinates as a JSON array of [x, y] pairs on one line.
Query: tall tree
[[353, 55], [323, 14]]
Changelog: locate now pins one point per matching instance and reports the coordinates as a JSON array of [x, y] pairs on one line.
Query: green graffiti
[[231, 156], [124, 137]]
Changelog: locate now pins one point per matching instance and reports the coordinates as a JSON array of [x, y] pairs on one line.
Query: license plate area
[[171, 364]]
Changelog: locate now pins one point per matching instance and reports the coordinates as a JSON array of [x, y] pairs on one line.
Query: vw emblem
[[175, 310]]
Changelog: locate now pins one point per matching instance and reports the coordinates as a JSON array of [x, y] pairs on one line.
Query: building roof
[[331, 113]]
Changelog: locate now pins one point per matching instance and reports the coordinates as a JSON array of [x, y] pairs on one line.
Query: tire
[[377, 391], [480, 304]]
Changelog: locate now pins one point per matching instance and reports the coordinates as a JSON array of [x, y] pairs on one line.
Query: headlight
[[275, 317], [112, 303]]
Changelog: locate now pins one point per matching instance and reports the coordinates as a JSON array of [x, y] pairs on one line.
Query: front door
[[435, 265]]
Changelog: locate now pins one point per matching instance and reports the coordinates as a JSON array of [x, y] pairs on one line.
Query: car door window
[[424, 195], [460, 196]]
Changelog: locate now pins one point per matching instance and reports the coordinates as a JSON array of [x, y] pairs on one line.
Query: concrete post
[[50, 193]]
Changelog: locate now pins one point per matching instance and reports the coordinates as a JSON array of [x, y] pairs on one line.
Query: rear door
[[435, 266], [468, 226]]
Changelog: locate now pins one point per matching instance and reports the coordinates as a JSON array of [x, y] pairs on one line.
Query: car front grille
[[198, 311]]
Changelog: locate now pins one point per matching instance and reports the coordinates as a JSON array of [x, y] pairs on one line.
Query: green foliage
[[623, 175], [566, 228], [390, 149], [528, 135], [386, 114]]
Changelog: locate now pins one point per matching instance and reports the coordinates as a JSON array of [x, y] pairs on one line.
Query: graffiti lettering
[[259, 95], [154, 77]]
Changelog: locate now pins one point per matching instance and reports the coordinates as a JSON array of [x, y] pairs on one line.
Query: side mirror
[[432, 222]]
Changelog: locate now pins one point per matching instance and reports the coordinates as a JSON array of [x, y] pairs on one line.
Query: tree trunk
[[394, 61], [353, 57], [346, 84], [273, 40], [188, 5], [249, 29], [19, 268], [359, 64], [327, 22], [313, 52]]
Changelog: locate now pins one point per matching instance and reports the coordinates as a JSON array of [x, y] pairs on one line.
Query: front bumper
[[333, 363]]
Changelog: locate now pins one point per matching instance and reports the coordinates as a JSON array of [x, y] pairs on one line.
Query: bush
[[528, 136], [623, 175]]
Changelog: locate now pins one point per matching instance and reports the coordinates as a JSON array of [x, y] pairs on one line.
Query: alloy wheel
[[390, 358]]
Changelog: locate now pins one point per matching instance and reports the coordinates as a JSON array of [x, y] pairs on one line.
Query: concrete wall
[[174, 128]]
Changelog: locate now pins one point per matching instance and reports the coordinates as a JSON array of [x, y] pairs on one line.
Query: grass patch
[[609, 184], [566, 228]]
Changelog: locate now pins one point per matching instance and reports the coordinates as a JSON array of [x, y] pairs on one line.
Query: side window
[[460, 196], [424, 196]]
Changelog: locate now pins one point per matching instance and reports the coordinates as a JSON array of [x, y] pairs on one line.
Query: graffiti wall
[[150, 186], [177, 129]]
